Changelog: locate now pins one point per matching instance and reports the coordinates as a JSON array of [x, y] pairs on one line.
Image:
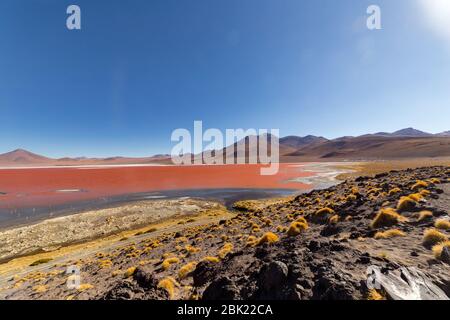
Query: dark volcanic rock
[[273, 275], [221, 289], [445, 255], [145, 279], [123, 290], [203, 273]]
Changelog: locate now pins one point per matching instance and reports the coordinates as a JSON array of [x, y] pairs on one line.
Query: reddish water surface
[[34, 187]]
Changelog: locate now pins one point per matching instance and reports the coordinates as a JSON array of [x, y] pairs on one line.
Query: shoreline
[[225, 196], [96, 224]]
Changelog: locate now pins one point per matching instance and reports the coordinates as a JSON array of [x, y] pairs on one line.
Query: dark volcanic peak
[[407, 132], [298, 142], [444, 134], [21, 155], [411, 132]]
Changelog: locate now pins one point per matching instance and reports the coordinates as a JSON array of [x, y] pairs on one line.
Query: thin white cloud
[[437, 15]]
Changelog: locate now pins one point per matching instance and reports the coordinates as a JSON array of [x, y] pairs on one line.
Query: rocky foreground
[[319, 245]]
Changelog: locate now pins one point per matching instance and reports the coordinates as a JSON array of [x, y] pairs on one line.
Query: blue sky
[[139, 69]]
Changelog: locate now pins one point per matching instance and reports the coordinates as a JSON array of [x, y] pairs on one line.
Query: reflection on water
[[13, 217]]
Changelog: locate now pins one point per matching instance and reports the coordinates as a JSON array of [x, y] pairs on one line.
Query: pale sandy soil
[[369, 168], [51, 234]]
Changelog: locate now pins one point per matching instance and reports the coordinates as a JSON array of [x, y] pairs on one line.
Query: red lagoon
[[30, 187]]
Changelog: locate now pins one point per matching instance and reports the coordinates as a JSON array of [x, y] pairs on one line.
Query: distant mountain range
[[401, 144], [22, 157]]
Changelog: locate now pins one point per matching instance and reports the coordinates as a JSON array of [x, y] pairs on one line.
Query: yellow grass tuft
[[324, 212], [115, 273], [211, 259], [424, 192], [437, 249], [374, 295], [105, 263], [40, 288], [226, 249], [191, 249], [420, 184], [387, 217], [169, 284], [406, 203], [416, 197], [296, 228], [442, 224], [389, 234], [251, 241], [129, 272], [432, 237], [435, 180], [424, 215], [334, 219], [302, 220], [268, 237], [169, 261], [85, 286], [187, 269], [394, 191]]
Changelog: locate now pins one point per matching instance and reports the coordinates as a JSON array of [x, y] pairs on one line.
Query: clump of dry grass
[[374, 295], [438, 248], [211, 259], [226, 249], [268, 237], [40, 288], [416, 197], [334, 219], [85, 286], [106, 263], [432, 237], [129, 272], [251, 241], [394, 191], [424, 215], [296, 228], [324, 212], [389, 234], [442, 224], [169, 261], [302, 220], [186, 269], [191, 249], [420, 184], [435, 180], [405, 204], [387, 217], [168, 284]]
